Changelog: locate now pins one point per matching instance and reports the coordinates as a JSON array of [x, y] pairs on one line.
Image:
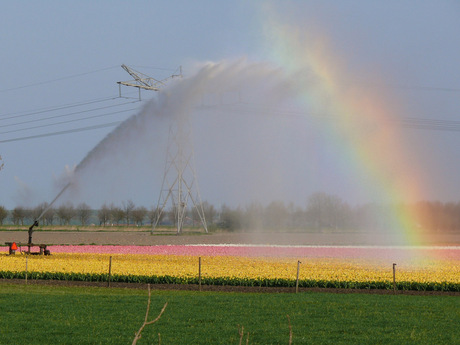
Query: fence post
[[394, 277], [199, 272], [297, 280], [110, 272], [27, 257]]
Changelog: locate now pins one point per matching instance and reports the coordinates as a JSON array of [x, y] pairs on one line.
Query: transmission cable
[[406, 122], [59, 79], [50, 109], [69, 114], [111, 124], [69, 121], [157, 68]]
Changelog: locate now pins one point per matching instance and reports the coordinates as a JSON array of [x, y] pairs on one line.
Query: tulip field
[[422, 268]]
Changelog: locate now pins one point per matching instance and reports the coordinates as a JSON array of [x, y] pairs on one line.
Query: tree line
[[66, 213], [126, 214], [329, 212], [322, 212]]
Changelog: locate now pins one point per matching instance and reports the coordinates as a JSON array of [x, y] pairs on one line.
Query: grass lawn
[[76, 315]]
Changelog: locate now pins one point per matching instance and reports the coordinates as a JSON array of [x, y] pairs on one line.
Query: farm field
[[50, 313], [72, 315], [434, 268]]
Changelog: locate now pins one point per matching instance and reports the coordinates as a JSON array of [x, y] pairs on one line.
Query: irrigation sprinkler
[[31, 228]]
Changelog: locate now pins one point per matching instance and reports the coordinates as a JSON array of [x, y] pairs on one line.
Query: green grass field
[[77, 315]]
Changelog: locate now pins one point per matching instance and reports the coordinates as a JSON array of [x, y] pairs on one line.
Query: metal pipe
[[31, 228]]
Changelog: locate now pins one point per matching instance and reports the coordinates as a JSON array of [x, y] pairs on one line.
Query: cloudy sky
[[59, 95]]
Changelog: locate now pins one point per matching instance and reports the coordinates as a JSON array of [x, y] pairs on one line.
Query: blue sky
[[62, 54]]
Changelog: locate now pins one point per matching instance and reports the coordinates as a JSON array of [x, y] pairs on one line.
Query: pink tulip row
[[452, 253]]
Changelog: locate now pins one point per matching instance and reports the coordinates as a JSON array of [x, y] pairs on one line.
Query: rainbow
[[363, 127]]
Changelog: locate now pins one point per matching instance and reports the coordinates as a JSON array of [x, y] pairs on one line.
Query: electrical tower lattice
[[180, 185]]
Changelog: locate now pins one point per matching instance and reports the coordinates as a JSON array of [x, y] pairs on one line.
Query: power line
[[426, 88], [111, 124], [409, 122], [50, 109], [65, 115], [68, 121], [405, 87], [157, 68], [58, 79], [413, 123], [405, 122], [430, 124]]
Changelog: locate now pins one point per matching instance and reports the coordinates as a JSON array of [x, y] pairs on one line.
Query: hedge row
[[233, 281]]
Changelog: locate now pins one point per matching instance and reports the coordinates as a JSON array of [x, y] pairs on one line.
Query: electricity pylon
[[143, 81], [180, 185]]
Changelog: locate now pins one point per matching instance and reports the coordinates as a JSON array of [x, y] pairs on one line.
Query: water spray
[[255, 80]]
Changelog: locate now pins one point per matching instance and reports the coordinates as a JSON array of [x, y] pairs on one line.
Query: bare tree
[[153, 214], [49, 215], [231, 219], [65, 213], [253, 216], [276, 215], [128, 207], [18, 215], [117, 214], [3, 214], [296, 216], [83, 213], [326, 211], [138, 215], [37, 211], [210, 212], [104, 214], [29, 215]]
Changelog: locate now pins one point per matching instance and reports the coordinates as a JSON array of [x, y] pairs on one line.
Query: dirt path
[[220, 288], [145, 238]]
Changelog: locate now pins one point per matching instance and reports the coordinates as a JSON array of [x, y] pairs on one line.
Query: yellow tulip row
[[238, 267]]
